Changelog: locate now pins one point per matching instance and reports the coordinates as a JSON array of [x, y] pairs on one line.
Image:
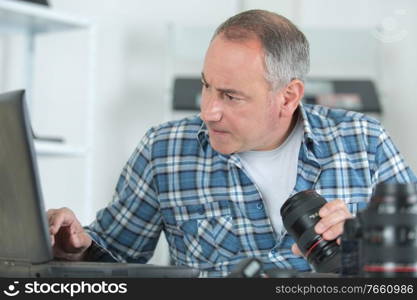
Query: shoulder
[[177, 129], [167, 140], [325, 120], [174, 138]]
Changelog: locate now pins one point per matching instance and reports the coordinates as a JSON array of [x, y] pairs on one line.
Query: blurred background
[[98, 74]]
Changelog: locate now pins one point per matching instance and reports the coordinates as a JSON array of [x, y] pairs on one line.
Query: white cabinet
[[32, 22]]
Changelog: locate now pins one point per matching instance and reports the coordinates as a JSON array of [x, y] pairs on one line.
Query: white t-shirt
[[275, 172]]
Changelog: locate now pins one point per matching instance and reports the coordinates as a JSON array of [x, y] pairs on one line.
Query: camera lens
[[389, 246], [300, 214], [350, 247]]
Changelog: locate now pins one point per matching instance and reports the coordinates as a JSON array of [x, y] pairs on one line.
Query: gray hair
[[286, 49]]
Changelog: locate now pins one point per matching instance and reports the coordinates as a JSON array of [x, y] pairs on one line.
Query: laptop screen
[[23, 224]]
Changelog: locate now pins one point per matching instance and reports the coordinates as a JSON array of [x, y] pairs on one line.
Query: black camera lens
[[350, 247], [300, 214], [389, 246]]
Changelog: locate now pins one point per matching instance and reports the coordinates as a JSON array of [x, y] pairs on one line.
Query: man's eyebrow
[[232, 91], [224, 90]]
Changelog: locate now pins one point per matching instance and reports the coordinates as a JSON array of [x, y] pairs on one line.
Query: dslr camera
[[380, 242]]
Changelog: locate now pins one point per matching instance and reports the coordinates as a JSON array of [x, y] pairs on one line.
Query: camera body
[[382, 240]]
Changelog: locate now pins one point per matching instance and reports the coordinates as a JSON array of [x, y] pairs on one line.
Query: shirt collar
[[310, 142], [204, 142], [202, 134], [309, 137]]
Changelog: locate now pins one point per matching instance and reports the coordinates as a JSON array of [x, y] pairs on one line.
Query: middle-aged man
[[215, 183]]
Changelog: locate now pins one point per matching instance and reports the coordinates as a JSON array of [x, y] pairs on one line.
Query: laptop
[[25, 246]]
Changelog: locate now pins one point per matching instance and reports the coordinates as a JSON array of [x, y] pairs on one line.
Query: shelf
[[29, 22], [57, 149], [33, 18]]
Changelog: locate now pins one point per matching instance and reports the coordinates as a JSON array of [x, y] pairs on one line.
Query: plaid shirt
[[212, 213]]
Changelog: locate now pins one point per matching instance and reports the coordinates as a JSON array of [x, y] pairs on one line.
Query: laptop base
[[65, 269]]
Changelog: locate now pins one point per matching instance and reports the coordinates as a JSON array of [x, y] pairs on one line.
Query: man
[[215, 182]]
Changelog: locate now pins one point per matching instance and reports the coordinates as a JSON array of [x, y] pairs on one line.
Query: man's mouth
[[217, 131]]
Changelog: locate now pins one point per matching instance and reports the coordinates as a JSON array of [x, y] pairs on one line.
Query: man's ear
[[292, 94]]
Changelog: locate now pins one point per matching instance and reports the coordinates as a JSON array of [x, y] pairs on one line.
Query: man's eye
[[230, 97]]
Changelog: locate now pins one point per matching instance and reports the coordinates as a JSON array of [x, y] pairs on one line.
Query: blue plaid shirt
[[212, 213]]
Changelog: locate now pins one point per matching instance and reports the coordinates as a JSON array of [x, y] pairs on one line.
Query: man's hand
[[69, 240], [333, 215]]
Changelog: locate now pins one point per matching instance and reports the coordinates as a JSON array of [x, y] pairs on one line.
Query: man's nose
[[211, 110]]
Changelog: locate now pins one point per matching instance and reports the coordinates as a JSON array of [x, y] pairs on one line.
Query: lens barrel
[[300, 213], [389, 245], [351, 247]]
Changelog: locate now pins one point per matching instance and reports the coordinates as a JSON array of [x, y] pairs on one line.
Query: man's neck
[[290, 128], [283, 138]]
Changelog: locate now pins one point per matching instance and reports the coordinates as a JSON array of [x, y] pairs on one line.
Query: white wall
[[393, 26], [132, 70]]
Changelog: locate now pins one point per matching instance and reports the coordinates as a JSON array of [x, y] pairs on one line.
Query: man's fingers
[[56, 223], [296, 250], [332, 219], [55, 219], [58, 218], [333, 214], [80, 240], [333, 232], [76, 238], [68, 238], [332, 206], [63, 227]]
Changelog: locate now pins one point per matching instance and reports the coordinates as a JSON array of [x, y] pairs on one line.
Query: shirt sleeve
[[389, 163], [128, 229]]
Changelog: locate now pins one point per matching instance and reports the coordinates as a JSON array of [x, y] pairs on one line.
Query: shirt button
[[273, 251], [228, 218], [259, 206]]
